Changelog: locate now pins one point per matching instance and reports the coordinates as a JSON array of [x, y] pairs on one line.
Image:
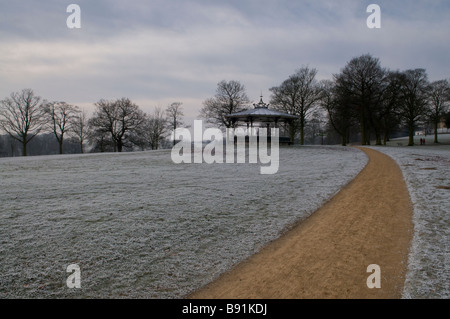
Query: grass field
[[140, 226]]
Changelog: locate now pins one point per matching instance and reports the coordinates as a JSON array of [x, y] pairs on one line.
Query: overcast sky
[[160, 51]]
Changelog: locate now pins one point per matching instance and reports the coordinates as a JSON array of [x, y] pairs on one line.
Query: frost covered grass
[[140, 226], [426, 170]]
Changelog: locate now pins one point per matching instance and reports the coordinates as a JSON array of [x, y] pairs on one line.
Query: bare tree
[[156, 127], [141, 136], [284, 98], [336, 101], [316, 126], [389, 118], [297, 95], [414, 99], [21, 116], [174, 113], [230, 98], [439, 94], [79, 128], [100, 140], [59, 117], [118, 118], [363, 78], [151, 133]]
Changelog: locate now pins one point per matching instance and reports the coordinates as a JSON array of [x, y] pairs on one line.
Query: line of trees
[[364, 101], [116, 125], [376, 100]]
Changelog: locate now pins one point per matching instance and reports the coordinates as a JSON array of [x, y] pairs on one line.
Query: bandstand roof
[[261, 113]]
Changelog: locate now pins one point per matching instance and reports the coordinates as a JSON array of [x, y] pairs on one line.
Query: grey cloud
[[155, 50]]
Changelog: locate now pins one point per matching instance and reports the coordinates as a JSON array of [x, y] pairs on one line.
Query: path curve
[[326, 256]]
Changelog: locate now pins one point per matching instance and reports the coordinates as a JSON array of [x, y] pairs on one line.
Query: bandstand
[[262, 117]]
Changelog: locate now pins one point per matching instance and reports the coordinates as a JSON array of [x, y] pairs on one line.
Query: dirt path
[[326, 256]]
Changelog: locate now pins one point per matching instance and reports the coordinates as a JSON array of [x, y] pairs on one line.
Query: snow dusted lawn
[[140, 226], [426, 170]]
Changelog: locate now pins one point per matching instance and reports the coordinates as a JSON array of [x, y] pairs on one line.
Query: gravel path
[[327, 256]]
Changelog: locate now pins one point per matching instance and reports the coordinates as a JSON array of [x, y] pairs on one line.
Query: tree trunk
[[174, 135], [302, 130], [363, 134], [378, 138], [119, 146], [363, 128], [302, 136], [385, 138], [102, 146], [24, 148], [344, 139], [411, 135], [60, 146], [291, 133], [436, 124], [386, 134]]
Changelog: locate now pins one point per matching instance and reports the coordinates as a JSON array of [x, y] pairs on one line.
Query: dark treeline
[[363, 103], [43, 144], [34, 126]]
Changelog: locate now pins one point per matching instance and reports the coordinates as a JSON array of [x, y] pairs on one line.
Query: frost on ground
[[426, 170], [140, 226]]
